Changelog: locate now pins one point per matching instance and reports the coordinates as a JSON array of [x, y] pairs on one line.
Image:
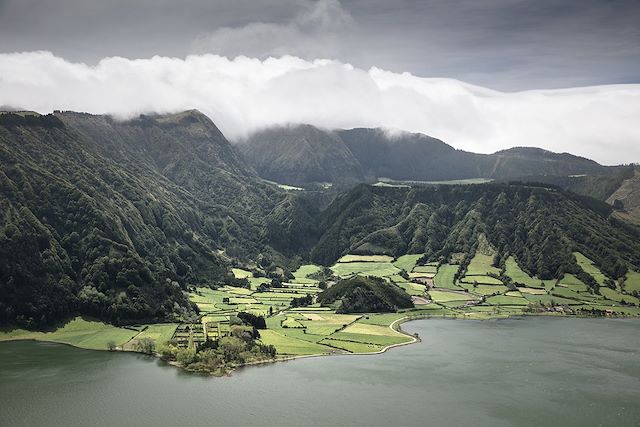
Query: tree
[[618, 205], [145, 345], [111, 345]]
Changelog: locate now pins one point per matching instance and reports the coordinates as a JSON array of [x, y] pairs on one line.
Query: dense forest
[[114, 219], [541, 225], [365, 295]]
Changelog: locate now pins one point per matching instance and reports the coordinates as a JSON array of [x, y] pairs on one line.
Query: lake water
[[515, 372]]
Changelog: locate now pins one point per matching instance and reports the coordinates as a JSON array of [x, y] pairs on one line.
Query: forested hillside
[[540, 226], [115, 218]]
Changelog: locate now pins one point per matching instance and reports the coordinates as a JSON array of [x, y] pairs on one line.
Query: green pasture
[[407, 262], [481, 265], [589, 267], [366, 258], [445, 277], [377, 269], [78, 332]]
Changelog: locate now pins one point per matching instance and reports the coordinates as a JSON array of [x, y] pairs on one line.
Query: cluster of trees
[[251, 319], [302, 301], [365, 295], [223, 354]]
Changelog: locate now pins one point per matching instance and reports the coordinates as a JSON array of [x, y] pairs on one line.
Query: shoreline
[[396, 325]]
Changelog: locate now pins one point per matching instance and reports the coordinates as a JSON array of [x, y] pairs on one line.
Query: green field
[[79, 333], [366, 258], [241, 274], [302, 273], [589, 267], [481, 280], [513, 270], [313, 329], [481, 265], [407, 262], [291, 346], [618, 296], [488, 289], [507, 300], [632, 282], [378, 269], [414, 289], [160, 333], [445, 277], [445, 296]]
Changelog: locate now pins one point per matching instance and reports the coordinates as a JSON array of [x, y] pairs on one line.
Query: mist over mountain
[[302, 154]]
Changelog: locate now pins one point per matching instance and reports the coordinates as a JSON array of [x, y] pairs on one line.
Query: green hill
[[365, 295]]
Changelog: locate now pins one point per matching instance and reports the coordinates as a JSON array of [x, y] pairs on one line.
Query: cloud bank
[[244, 94]]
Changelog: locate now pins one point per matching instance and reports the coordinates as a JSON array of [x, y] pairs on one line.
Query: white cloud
[[244, 94]]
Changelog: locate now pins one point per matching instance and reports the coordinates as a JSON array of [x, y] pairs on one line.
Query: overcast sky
[[506, 46]]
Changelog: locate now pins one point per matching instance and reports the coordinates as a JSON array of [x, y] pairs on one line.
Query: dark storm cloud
[[503, 44]]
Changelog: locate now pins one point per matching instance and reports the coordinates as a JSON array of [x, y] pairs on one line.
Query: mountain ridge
[[401, 156]]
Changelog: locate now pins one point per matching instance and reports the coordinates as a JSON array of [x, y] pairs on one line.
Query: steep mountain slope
[[300, 154], [522, 161], [303, 154], [626, 198], [540, 226], [115, 218], [411, 156], [599, 185]]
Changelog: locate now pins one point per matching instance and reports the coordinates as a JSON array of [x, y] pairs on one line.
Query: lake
[[534, 371]]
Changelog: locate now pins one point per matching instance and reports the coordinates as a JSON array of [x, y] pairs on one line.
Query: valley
[[155, 236], [437, 290]]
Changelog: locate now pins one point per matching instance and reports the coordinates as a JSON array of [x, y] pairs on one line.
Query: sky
[[482, 75]]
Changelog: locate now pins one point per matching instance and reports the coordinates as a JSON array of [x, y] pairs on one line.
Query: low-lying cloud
[[244, 94]]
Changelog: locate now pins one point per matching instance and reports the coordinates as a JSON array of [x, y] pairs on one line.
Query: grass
[[78, 332], [366, 258], [241, 274], [507, 300], [430, 269], [160, 333], [445, 296], [413, 289], [618, 296], [378, 269], [381, 319], [488, 289], [519, 276], [632, 282], [291, 346], [532, 291], [352, 347], [444, 278], [589, 267], [572, 282], [481, 265], [407, 262], [482, 280], [304, 271], [550, 299]]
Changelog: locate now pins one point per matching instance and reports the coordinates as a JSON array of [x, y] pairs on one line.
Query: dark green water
[[516, 372]]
